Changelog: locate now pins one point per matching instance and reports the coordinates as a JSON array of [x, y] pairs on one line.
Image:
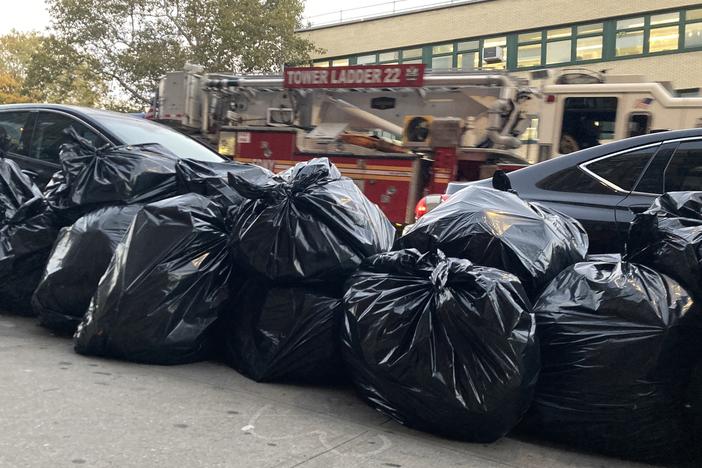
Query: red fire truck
[[398, 132]]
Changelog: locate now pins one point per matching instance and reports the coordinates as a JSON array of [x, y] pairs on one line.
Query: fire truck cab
[[581, 108]]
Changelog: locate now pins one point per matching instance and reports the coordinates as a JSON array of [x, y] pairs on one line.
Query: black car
[[32, 134], [605, 186]]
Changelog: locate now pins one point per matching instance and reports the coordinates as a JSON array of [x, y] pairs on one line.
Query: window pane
[[571, 179], [325, 63], [685, 170], [365, 59], [693, 35], [558, 52], [412, 53], [469, 45], [12, 126], [693, 15], [468, 61], [340, 63], [590, 28], [558, 33], [589, 48], [630, 43], [529, 56], [665, 18], [586, 122], [49, 136], [631, 23], [623, 170], [412, 61], [663, 39], [530, 37], [387, 56], [495, 42], [442, 49], [442, 63]]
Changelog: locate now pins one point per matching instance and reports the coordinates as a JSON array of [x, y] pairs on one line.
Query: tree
[[134, 42], [40, 68]]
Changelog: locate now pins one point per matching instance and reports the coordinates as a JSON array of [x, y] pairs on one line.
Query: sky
[[28, 15]]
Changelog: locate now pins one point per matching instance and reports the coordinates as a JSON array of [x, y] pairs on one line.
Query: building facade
[[661, 39]]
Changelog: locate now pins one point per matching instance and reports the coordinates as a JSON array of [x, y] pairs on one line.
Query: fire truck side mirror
[[417, 131]]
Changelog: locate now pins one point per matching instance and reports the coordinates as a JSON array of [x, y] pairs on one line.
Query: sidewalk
[[60, 409]]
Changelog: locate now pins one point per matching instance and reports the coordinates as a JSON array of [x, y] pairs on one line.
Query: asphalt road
[[60, 409]]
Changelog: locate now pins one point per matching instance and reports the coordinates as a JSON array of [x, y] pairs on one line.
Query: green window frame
[[691, 29]]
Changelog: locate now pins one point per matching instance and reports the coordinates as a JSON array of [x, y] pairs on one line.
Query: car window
[[685, 169], [652, 180], [49, 135], [136, 131], [574, 179], [12, 127], [623, 170]]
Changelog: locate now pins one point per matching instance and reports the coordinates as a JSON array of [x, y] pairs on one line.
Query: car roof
[[76, 110], [545, 168]]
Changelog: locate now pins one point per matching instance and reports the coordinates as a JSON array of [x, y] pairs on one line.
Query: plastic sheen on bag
[[283, 333], [91, 177], [307, 223], [164, 288], [668, 238], [27, 234], [212, 179], [440, 344], [617, 344], [79, 258], [497, 229]]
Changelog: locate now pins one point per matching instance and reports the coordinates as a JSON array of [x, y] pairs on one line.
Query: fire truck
[[398, 131], [581, 108]]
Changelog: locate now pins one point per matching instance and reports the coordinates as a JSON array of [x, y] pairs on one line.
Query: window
[[587, 121], [340, 62], [366, 59], [500, 42], [693, 28], [652, 180], [49, 136], [665, 32], [324, 63], [442, 49], [639, 124], [135, 131], [558, 52], [468, 55], [412, 55], [442, 57], [589, 41], [684, 172], [630, 37], [529, 55], [389, 57], [574, 179], [12, 132], [623, 170]]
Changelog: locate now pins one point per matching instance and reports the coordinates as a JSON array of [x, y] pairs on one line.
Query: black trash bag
[[290, 333], [668, 238], [27, 233], [91, 177], [618, 341], [307, 223], [80, 257], [440, 344], [497, 229], [164, 288], [212, 179]]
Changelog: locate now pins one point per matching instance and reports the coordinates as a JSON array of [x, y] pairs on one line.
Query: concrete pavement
[[60, 409]]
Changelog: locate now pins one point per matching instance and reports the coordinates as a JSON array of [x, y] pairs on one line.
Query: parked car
[[32, 134], [605, 186]]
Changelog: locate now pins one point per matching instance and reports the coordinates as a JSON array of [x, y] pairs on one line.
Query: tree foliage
[[134, 42], [41, 68]]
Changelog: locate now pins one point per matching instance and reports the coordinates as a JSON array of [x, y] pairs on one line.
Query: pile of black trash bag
[[164, 288], [498, 229], [668, 238], [27, 234], [78, 260], [618, 342], [440, 344], [92, 178], [296, 237]]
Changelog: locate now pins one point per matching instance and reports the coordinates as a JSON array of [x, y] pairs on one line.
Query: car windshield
[[136, 131]]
